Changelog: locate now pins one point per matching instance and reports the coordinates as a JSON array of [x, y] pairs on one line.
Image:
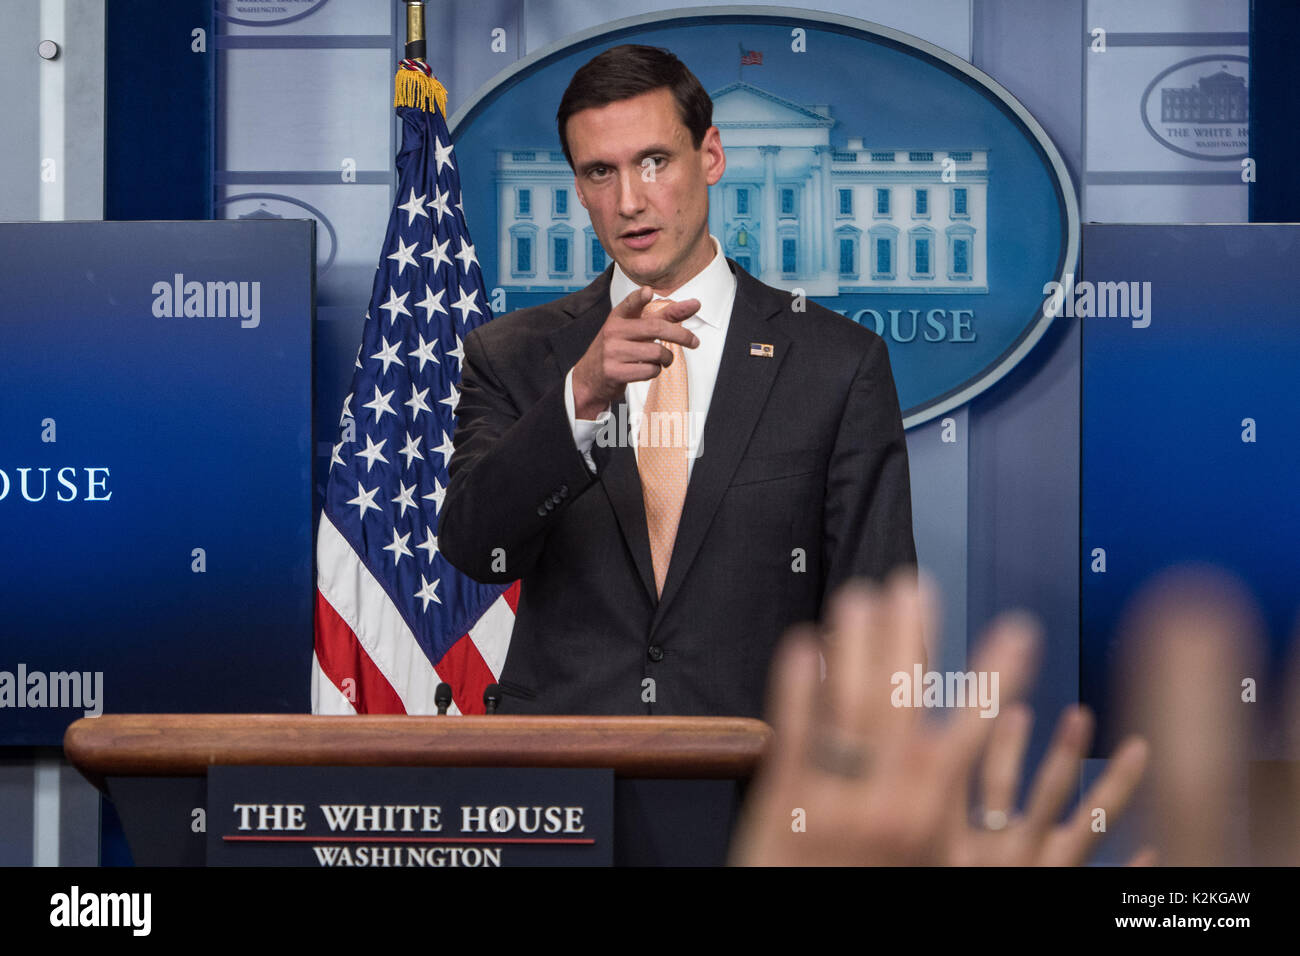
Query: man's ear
[[715, 160]]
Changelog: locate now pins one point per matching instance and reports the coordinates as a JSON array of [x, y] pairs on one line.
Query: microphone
[[491, 698], [442, 697]]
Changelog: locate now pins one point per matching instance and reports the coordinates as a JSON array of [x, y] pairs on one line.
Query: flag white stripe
[[325, 697], [491, 635], [365, 606]]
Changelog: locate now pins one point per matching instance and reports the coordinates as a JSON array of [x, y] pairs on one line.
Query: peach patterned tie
[[663, 459]]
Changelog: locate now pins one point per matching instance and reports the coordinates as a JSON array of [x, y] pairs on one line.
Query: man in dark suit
[[658, 576]]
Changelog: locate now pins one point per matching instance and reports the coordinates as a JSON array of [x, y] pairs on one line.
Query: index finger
[[630, 307], [672, 311]]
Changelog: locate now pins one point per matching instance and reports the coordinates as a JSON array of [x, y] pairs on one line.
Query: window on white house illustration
[[560, 255], [788, 257], [921, 260], [561, 202], [923, 202], [846, 202], [884, 258], [882, 202], [961, 257], [523, 255], [524, 202], [742, 202], [597, 255], [787, 202], [959, 202], [847, 257]]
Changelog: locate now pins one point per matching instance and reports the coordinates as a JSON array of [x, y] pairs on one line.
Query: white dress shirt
[[715, 287]]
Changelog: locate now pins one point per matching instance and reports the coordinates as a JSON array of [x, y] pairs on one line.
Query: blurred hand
[[851, 779], [1193, 680]]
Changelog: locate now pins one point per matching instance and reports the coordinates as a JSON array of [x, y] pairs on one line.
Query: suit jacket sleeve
[[514, 468], [868, 506]]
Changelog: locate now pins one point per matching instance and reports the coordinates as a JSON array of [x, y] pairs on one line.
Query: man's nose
[[631, 195]]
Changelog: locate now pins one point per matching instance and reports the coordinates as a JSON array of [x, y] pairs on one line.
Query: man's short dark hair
[[623, 72]]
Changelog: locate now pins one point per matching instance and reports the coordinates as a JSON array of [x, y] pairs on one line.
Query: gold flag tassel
[[414, 89]]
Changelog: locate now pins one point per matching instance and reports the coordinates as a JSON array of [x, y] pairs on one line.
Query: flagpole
[[415, 30]]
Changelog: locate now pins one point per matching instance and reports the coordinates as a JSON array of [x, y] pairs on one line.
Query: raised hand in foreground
[[853, 779]]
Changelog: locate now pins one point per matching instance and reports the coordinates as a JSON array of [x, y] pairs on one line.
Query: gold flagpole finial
[[414, 30], [415, 85]]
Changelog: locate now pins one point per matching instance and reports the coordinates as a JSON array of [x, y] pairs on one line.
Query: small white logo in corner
[[75, 908]]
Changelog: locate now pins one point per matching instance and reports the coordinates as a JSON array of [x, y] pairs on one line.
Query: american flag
[[750, 57], [393, 618]]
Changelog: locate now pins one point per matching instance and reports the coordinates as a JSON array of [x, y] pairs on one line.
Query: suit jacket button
[[541, 510], [655, 653], [564, 490]]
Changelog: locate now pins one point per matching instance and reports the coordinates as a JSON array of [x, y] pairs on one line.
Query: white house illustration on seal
[[792, 209]]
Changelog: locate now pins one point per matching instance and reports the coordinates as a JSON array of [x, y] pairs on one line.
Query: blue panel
[[1167, 476], [1274, 110], [158, 96], [171, 433]]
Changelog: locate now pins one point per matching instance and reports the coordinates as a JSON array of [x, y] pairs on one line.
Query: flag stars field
[[414, 207], [395, 306], [429, 545], [388, 355], [425, 354], [452, 399], [438, 253], [379, 404], [442, 155], [432, 303], [418, 401], [467, 256], [399, 548], [429, 592], [436, 496], [373, 452], [411, 451], [446, 448], [439, 205], [458, 353], [403, 256], [405, 499], [465, 304], [365, 501]]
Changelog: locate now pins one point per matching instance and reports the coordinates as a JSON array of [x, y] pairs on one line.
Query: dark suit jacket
[[802, 483]]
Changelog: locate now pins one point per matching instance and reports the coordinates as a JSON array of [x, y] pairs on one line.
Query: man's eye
[[598, 172]]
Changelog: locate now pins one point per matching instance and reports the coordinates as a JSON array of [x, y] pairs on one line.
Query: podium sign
[[386, 817]]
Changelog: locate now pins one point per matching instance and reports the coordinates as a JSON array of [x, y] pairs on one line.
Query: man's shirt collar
[[714, 286]]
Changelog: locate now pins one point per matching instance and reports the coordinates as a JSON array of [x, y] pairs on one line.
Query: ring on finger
[[840, 755]]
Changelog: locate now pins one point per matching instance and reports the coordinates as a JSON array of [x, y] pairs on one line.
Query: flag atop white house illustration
[[393, 618]]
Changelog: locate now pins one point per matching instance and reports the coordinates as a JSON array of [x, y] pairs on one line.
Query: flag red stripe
[[512, 597], [341, 657], [465, 670]]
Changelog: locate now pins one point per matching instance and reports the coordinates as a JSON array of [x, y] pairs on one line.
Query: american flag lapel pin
[[761, 349]]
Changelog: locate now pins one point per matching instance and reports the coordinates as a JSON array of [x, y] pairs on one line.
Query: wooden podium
[[678, 781]]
